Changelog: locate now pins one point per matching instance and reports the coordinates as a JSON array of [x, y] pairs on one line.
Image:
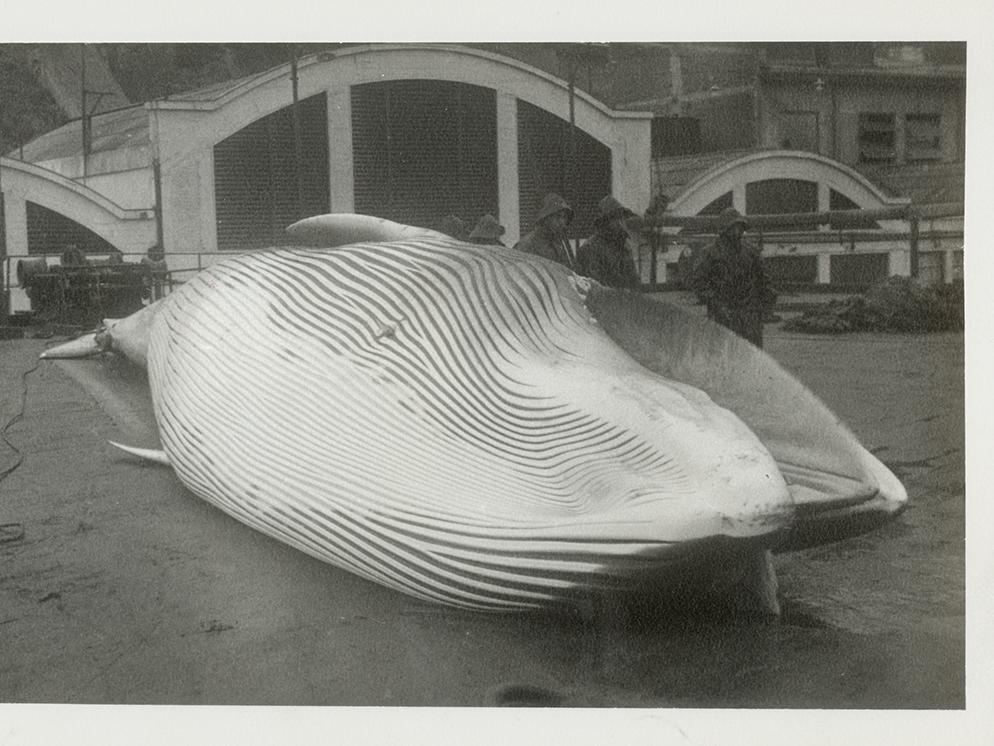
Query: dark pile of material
[[898, 304]]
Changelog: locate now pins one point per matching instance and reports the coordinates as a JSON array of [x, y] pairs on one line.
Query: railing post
[[913, 248]]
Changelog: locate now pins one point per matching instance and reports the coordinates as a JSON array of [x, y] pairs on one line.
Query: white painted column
[[824, 202], [899, 263], [208, 215], [341, 165], [739, 198], [631, 163], [824, 268], [508, 197], [15, 212]]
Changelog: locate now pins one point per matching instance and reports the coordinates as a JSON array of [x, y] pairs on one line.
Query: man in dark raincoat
[[548, 239], [605, 256], [731, 281]]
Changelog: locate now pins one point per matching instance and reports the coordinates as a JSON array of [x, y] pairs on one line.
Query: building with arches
[[407, 132], [416, 132], [849, 253]]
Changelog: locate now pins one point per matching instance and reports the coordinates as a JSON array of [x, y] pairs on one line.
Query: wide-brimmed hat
[[609, 208], [453, 226], [551, 204], [729, 217], [487, 228]]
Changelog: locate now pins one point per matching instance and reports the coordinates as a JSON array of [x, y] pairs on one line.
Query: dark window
[[675, 136], [780, 197], [424, 149], [544, 165], [922, 137], [858, 271], [712, 208], [50, 232], [876, 138], [717, 205], [839, 201]]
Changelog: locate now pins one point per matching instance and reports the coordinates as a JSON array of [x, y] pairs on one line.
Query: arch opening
[[424, 149], [260, 186]]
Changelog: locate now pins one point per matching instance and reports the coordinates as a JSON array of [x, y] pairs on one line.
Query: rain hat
[[609, 208], [551, 204], [487, 228]]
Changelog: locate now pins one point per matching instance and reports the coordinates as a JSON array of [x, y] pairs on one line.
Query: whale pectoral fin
[[149, 454], [85, 346]]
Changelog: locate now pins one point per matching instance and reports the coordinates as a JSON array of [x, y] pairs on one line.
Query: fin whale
[[480, 427]]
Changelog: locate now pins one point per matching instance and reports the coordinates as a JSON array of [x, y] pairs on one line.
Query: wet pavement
[[119, 586]]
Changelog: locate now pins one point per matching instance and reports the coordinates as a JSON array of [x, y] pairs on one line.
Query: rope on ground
[[14, 420]]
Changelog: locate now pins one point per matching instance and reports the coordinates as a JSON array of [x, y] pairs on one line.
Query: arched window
[[424, 149], [50, 232], [780, 197], [839, 201]]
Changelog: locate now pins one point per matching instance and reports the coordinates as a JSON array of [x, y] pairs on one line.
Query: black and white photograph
[[440, 385]]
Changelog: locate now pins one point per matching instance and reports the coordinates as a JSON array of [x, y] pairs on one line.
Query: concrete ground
[[119, 586]]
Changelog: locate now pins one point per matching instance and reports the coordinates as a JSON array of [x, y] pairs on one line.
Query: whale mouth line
[[805, 509]]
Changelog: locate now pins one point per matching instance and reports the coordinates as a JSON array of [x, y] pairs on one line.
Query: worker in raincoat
[[731, 281]]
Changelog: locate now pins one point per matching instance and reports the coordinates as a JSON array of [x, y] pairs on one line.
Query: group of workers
[[728, 276]]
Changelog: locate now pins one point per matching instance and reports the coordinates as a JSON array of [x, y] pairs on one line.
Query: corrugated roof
[[924, 183], [672, 174], [215, 91], [115, 130]]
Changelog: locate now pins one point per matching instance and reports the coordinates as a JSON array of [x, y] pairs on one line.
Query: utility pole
[[298, 146], [85, 114]]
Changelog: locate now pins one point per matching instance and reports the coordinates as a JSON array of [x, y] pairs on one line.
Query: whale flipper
[[149, 454]]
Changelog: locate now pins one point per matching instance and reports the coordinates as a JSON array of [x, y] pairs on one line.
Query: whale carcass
[[482, 428]]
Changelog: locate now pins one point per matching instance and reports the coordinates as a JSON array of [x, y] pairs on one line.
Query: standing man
[[605, 256], [548, 238], [731, 280]]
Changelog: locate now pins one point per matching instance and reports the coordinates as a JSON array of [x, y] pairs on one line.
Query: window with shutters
[[424, 149], [264, 180], [877, 140], [922, 137]]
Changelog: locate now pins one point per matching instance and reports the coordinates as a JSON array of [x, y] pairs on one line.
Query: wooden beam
[[711, 223]]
